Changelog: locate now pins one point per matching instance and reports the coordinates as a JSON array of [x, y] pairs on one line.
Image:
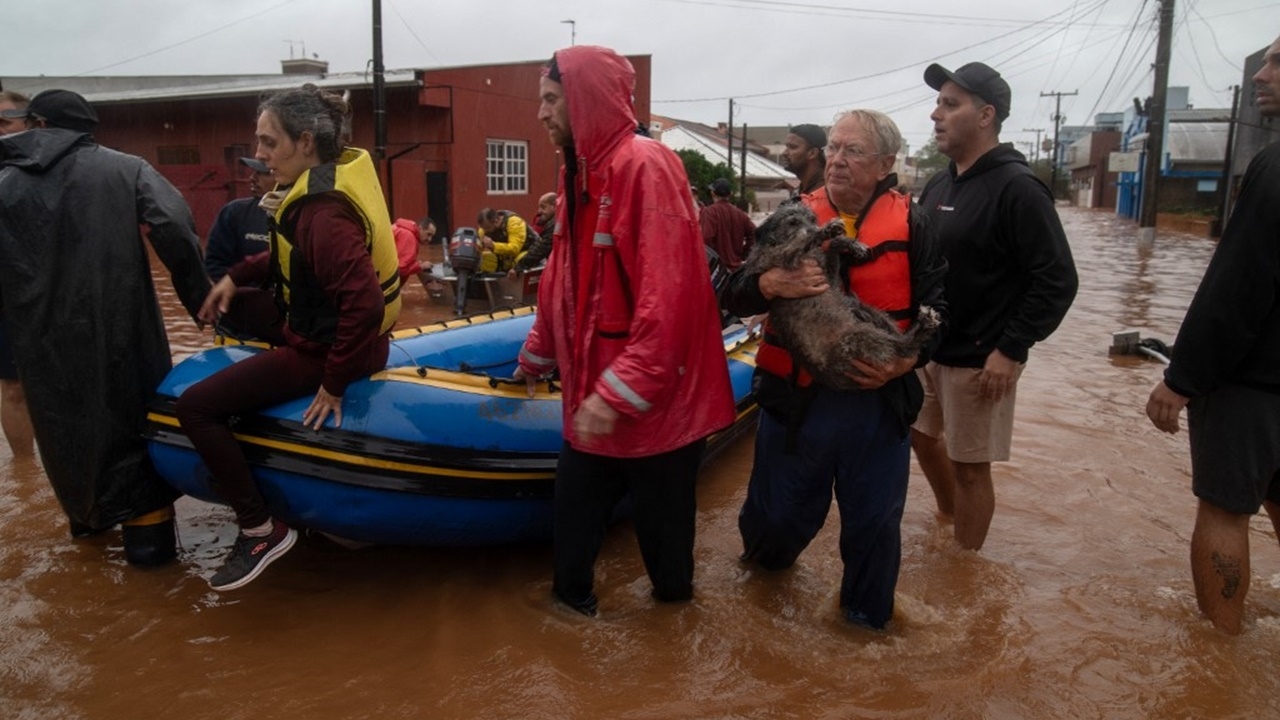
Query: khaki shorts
[[977, 430]]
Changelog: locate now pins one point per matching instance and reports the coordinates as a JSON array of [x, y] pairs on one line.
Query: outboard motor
[[464, 257]]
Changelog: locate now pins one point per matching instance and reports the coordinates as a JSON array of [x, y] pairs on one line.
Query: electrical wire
[[189, 40], [1133, 28], [1214, 37], [791, 8], [869, 76], [408, 27]]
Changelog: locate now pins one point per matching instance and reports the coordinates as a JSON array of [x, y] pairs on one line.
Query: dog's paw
[[857, 252], [928, 317], [832, 229]]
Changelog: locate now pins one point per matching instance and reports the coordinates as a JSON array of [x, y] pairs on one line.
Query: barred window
[[508, 167]]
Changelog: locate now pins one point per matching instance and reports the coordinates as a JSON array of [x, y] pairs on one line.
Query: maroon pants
[[266, 379]]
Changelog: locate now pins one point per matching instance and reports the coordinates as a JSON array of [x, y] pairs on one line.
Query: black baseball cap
[[255, 165], [811, 134], [60, 109], [977, 78], [721, 188]]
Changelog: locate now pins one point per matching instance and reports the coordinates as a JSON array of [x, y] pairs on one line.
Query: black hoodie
[[1010, 277], [1231, 333]]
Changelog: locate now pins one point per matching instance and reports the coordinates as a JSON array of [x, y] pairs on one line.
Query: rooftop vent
[[304, 66]]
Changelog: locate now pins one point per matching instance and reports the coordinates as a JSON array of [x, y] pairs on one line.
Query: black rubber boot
[[150, 545]]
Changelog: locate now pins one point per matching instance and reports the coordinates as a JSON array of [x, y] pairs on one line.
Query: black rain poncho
[[81, 311]]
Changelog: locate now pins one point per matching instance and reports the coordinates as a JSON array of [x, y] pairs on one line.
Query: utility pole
[[379, 89], [1224, 183], [573, 31], [1035, 150], [742, 185], [1155, 127], [1057, 125], [728, 139]]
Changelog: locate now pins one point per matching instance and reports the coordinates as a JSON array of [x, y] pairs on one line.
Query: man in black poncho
[[87, 333]]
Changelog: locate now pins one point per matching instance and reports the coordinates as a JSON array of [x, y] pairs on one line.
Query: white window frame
[[507, 166]]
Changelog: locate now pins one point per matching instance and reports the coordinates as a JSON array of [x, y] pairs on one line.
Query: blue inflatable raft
[[434, 450]]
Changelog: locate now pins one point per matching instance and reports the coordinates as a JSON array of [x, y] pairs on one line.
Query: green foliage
[[929, 160], [702, 173]]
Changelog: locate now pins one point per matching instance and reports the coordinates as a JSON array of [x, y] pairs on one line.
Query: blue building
[[1195, 142]]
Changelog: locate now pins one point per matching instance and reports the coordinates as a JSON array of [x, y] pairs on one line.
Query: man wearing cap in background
[[240, 230], [1010, 282], [86, 330], [803, 155], [726, 229]]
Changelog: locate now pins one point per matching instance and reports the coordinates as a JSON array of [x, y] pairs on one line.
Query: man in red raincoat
[[627, 314]]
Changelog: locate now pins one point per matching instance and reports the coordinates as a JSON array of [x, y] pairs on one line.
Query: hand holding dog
[[806, 280], [870, 377]]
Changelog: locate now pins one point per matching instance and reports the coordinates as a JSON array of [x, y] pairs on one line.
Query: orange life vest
[[884, 281]]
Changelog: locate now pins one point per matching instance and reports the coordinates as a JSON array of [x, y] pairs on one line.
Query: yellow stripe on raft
[[462, 382], [462, 322], [361, 461]]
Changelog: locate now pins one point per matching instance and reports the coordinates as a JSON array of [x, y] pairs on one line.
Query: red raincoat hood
[[599, 87]]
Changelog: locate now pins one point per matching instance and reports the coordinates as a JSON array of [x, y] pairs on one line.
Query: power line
[[1133, 28], [854, 12], [408, 27], [908, 66], [1032, 42], [191, 39], [1214, 37]]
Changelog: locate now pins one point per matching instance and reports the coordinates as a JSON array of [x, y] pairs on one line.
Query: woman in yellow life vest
[[336, 278]]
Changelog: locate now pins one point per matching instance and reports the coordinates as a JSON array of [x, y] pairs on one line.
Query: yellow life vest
[[310, 313]]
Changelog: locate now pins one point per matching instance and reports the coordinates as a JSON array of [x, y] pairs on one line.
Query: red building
[[1093, 183], [458, 139]]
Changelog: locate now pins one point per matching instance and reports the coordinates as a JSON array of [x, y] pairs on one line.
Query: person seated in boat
[[538, 248], [334, 264], [410, 234], [502, 236]]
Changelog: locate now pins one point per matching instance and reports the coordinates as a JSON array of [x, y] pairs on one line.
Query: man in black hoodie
[[1010, 281], [1225, 369]]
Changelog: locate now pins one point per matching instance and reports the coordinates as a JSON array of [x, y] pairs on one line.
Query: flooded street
[[1080, 605]]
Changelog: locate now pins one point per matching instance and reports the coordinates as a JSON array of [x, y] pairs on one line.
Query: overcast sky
[[784, 62]]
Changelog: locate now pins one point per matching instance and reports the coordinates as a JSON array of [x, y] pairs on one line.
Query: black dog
[[828, 332]]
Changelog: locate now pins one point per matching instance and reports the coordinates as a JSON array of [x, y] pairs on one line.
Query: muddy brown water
[[1079, 606]]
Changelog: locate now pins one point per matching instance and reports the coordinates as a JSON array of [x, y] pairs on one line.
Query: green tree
[[929, 160], [702, 172]]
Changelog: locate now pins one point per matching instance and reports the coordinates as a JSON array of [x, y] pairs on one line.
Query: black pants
[[664, 504]]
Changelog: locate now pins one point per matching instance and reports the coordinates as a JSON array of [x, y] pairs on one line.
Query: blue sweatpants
[[852, 442]]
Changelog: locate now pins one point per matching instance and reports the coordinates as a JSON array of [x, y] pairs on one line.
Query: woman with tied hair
[[336, 296]]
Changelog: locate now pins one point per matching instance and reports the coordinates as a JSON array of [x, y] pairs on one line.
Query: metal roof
[[1196, 142], [680, 138], [125, 89]]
